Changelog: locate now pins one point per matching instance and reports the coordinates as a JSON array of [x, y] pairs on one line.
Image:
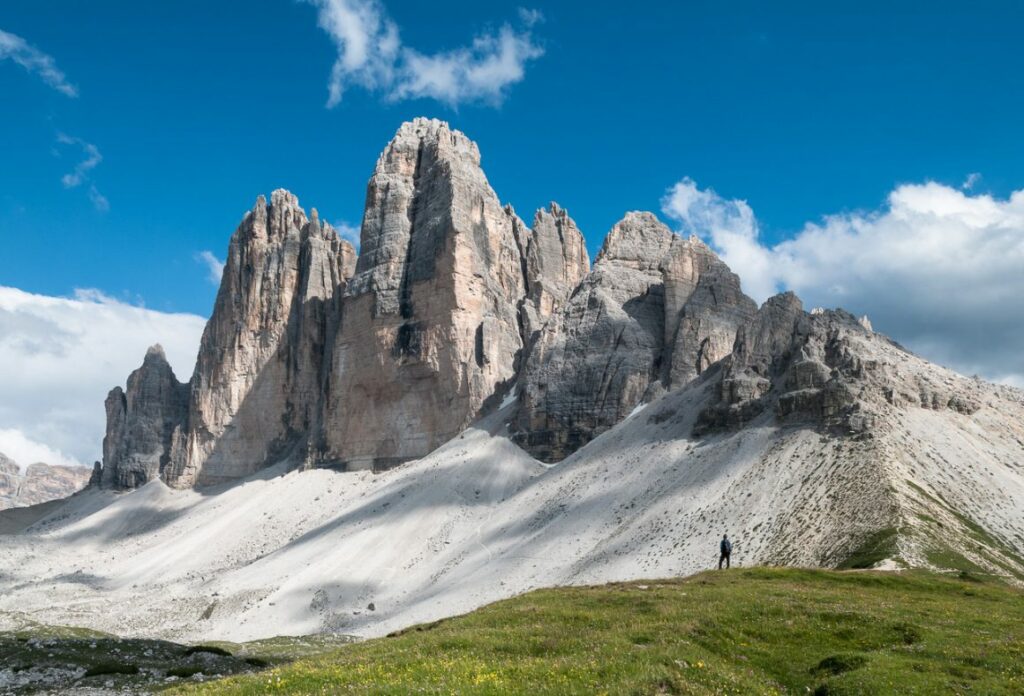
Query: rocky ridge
[[38, 483], [315, 357]]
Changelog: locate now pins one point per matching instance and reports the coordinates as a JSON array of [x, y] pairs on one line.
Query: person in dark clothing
[[726, 549]]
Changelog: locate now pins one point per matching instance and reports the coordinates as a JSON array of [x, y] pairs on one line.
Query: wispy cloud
[[81, 173], [35, 62], [971, 181], [936, 267], [371, 55], [214, 266]]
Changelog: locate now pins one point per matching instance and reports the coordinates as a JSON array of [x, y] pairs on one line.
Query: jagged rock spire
[[142, 421], [429, 329]]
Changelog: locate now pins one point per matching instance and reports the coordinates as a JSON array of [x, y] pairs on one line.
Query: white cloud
[[214, 266], [35, 61], [936, 268], [350, 233], [24, 451], [81, 173], [60, 356], [371, 55]]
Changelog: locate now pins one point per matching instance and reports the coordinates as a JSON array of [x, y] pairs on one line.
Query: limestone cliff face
[[314, 357], [824, 368], [142, 421], [704, 308], [256, 390], [655, 312], [555, 261], [429, 330], [255, 396], [594, 360]]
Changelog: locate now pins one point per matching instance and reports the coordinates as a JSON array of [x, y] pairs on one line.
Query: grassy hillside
[[754, 631]]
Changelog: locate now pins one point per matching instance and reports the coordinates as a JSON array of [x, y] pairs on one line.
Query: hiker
[[726, 548]]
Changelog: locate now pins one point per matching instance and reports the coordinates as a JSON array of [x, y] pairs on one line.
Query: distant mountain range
[[38, 483]]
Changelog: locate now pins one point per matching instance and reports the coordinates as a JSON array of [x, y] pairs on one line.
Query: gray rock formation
[[142, 421], [313, 357], [256, 393], [704, 307], [38, 483], [429, 329], [555, 261], [655, 311], [796, 367], [256, 390]]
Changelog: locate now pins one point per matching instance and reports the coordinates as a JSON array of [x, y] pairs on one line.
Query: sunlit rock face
[[430, 327], [255, 396], [314, 357], [655, 312]]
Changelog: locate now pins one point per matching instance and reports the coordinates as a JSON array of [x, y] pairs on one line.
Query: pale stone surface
[[822, 368], [429, 329], [655, 312], [704, 307], [142, 421], [594, 360], [257, 386], [555, 261], [255, 396], [38, 483]]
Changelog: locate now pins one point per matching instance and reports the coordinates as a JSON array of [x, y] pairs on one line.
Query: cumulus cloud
[[59, 356], [371, 55], [15, 445], [82, 172], [35, 62], [936, 268], [214, 266]]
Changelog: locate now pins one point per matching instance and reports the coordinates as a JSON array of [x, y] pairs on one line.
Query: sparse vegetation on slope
[[36, 658], [753, 631]]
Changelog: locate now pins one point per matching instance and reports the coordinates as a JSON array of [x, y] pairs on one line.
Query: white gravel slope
[[479, 520]]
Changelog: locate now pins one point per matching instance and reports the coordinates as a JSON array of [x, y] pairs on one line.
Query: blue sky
[[865, 154], [801, 109]]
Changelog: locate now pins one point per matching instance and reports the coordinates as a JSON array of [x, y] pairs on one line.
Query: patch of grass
[[747, 631], [945, 557], [874, 549], [837, 664]]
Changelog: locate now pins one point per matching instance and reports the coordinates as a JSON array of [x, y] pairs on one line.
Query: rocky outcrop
[[704, 308], [555, 261], [594, 360], [821, 368], [316, 358], [142, 421], [38, 483], [429, 329], [256, 393], [655, 311], [256, 390]]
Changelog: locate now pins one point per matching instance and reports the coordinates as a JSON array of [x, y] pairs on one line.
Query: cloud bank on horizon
[[60, 356], [937, 268], [371, 55]]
